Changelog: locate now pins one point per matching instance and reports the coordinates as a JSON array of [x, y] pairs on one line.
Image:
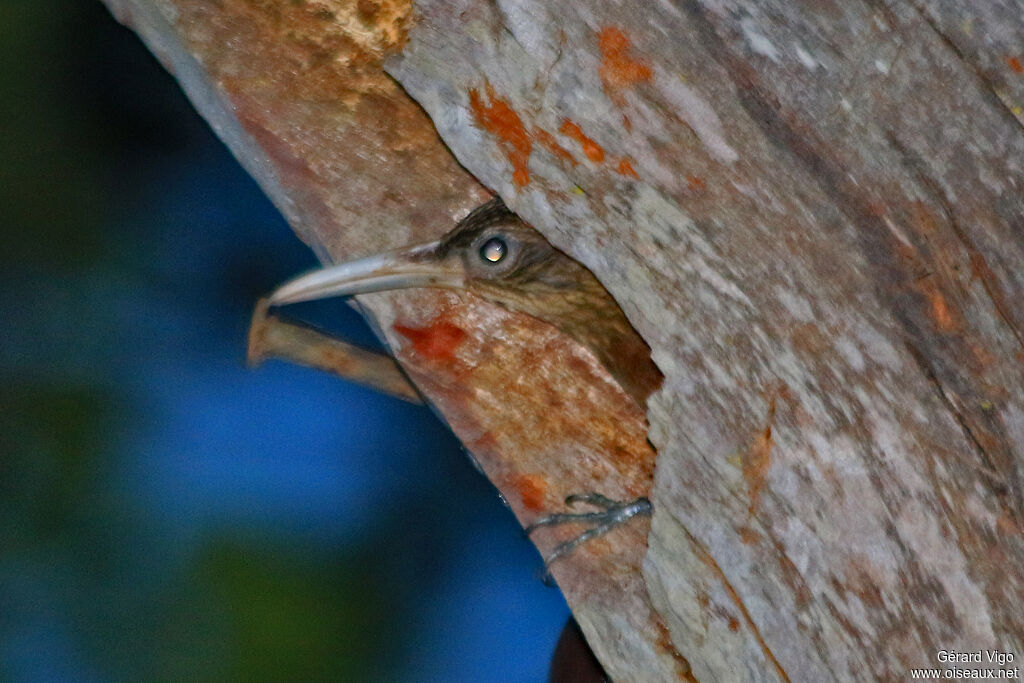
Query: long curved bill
[[417, 266]]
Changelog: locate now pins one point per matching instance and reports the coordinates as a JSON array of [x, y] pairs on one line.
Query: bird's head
[[495, 255]]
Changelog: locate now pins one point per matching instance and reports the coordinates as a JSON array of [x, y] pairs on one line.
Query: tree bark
[[813, 212]]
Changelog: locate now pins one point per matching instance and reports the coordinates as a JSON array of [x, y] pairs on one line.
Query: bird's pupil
[[494, 250]]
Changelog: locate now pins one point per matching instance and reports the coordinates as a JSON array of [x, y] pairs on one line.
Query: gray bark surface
[[823, 245]]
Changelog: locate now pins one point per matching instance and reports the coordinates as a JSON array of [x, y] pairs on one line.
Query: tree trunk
[[813, 212]]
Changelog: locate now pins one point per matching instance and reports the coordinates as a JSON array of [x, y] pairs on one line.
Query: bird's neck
[[620, 349]]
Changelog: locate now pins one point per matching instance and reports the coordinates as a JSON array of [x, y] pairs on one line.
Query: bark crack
[[988, 86], [979, 264], [991, 471], [705, 556]]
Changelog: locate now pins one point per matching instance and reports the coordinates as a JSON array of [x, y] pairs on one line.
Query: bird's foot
[[611, 514]]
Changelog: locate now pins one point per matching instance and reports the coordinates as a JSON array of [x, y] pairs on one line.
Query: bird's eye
[[494, 250]]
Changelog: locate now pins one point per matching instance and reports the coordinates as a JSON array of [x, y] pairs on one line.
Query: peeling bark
[[812, 211]]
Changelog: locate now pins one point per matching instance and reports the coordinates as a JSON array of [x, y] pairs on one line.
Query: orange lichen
[[618, 68], [757, 460], [532, 489], [930, 285], [748, 536], [437, 341], [499, 119], [1015, 64], [696, 183], [591, 149], [626, 168], [548, 140], [755, 467], [940, 312]]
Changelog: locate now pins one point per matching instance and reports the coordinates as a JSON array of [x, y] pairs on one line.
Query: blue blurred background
[[166, 514]]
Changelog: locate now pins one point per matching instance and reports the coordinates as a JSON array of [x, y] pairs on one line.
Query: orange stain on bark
[[437, 341], [533, 490], [748, 536], [626, 168], [696, 183], [591, 149], [944, 314], [710, 562], [1015, 64], [618, 68], [757, 461], [755, 467], [499, 119], [548, 140], [664, 642], [941, 314]]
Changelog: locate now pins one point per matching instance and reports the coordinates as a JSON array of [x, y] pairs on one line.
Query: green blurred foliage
[[53, 176], [52, 437], [296, 619]]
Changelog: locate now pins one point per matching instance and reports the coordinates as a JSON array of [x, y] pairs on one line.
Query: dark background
[[166, 514]]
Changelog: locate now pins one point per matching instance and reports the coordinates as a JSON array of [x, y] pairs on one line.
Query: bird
[[496, 255]]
